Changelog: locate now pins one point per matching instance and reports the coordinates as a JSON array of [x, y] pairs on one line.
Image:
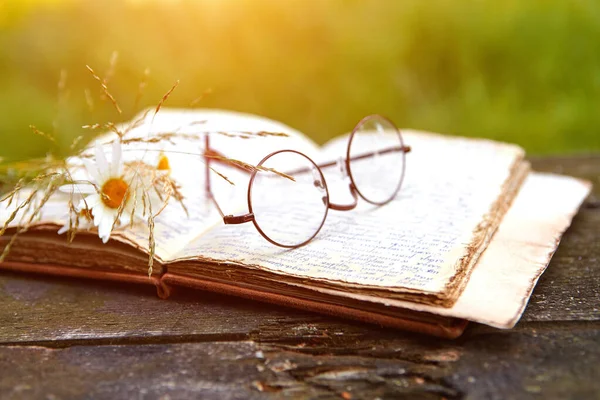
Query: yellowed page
[[503, 279], [417, 242], [174, 228]]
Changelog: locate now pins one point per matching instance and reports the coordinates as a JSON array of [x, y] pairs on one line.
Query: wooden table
[[72, 339]]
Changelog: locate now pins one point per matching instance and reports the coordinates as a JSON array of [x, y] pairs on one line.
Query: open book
[[419, 262]]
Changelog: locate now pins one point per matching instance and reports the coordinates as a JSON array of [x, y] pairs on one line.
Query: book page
[[419, 241], [501, 284], [230, 133]]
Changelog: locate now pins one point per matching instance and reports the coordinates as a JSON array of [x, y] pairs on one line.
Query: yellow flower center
[[113, 192], [163, 163], [87, 214]]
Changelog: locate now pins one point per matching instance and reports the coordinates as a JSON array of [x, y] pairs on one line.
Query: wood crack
[[128, 340]]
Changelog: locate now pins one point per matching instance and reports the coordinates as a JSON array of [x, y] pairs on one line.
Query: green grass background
[[520, 71]]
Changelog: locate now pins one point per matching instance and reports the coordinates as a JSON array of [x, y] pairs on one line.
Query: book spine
[[450, 331]]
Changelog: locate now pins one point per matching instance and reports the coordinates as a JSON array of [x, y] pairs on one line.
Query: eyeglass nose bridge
[[347, 207]]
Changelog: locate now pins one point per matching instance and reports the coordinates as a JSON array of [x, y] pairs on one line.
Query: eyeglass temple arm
[[211, 155], [353, 191], [214, 156], [404, 149]]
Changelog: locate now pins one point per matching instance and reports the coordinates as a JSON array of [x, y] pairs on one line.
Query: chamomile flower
[[111, 196], [116, 193]]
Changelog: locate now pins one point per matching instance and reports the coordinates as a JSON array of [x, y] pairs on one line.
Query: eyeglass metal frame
[[211, 155]]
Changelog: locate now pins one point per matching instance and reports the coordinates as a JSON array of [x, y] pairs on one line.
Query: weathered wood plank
[[549, 360], [41, 309], [535, 360], [203, 370]]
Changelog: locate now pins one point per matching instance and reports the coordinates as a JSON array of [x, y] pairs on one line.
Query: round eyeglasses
[[288, 197]]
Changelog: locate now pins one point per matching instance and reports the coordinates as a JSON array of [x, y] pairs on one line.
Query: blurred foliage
[[519, 71]]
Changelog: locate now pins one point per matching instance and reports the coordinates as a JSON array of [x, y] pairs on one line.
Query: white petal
[[67, 188], [83, 203], [63, 229], [80, 188], [101, 162], [99, 213], [105, 229], [92, 170], [89, 202], [86, 188], [116, 158]]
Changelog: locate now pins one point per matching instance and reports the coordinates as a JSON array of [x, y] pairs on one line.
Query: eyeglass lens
[[289, 212], [376, 159]]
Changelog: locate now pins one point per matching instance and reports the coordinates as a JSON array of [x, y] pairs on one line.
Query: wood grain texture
[[72, 339], [39, 310], [540, 360]]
